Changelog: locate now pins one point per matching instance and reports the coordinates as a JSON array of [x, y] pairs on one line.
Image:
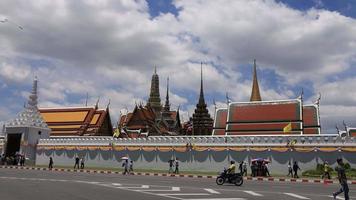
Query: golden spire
[[255, 94]]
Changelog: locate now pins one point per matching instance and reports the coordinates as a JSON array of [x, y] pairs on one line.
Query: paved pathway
[[36, 184]]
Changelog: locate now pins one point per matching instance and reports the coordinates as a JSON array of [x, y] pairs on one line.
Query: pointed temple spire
[[155, 100], [255, 94], [32, 101], [202, 122], [167, 104], [201, 96]]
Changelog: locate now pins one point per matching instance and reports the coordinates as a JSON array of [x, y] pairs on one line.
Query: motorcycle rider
[[231, 169]]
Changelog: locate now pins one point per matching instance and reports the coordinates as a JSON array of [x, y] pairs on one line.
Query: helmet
[[232, 162]]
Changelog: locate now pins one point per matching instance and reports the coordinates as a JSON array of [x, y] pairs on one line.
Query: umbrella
[[124, 158], [261, 160]]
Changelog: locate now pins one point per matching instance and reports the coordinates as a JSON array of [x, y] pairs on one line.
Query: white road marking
[[174, 189], [211, 191], [296, 196], [183, 194], [116, 184], [142, 187], [336, 197], [218, 199], [253, 193]]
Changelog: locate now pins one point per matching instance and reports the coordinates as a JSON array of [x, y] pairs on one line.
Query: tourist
[[171, 163], [125, 165], [326, 171], [176, 171], [266, 166], [2, 159], [76, 165], [254, 169], [50, 165], [295, 169], [240, 167], [131, 167], [244, 169], [341, 175], [82, 163], [22, 160], [290, 171]]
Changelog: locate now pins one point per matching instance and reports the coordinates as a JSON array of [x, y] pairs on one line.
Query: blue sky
[[109, 48]]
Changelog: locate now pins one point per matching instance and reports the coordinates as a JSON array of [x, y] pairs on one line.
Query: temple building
[[152, 118], [78, 121], [201, 121], [276, 117]]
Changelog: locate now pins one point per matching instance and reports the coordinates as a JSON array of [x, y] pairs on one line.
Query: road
[[16, 184]]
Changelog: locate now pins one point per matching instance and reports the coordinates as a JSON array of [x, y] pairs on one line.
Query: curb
[[268, 179]]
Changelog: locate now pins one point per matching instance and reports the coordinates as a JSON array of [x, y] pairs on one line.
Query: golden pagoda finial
[[255, 94]]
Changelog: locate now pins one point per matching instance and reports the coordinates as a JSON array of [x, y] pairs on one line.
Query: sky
[[108, 49]]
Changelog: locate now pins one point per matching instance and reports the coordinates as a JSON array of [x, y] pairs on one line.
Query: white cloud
[[15, 73], [108, 48]]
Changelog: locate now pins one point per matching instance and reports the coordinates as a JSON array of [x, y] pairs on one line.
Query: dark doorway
[[13, 144]]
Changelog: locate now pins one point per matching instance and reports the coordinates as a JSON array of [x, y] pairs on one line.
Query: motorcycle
[[224, 177]]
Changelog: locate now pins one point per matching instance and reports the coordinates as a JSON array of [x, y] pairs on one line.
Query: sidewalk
[[266, 179]]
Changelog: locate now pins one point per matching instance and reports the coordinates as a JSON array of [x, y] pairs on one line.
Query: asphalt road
[[16, 184]]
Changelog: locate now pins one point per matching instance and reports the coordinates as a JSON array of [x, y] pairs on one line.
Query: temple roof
[[30, 116], [202, 122], [75, 120], [255, 93]]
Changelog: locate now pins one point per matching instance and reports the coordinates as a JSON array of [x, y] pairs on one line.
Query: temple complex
[[276, 117], [152, 118], [201, 120], [78, 121]]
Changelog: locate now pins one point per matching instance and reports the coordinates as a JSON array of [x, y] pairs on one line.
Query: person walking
[[290, 171], [267, 169], [76, 165], [326, 171], [125, 165], [244, 169], [295, 169], [240, 167], [82, 163], [171, 163], [131, 167], [176, 171], [50, 165], [341, 175]]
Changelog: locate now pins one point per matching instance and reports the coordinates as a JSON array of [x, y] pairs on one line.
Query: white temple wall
[[192, 160]]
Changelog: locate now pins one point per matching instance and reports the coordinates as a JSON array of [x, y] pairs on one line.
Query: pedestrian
[[125, 165], [176, 171], [341, 175], [295, 169], [131, 167], [82, 163], [290, 171], [240, 167], [22, 160], [244, 169], [267, 169], [50, 165], [76, 165], [171, 163], [326, 171]]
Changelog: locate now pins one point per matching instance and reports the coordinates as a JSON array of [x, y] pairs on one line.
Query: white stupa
[[23, 132], [30, 116]]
